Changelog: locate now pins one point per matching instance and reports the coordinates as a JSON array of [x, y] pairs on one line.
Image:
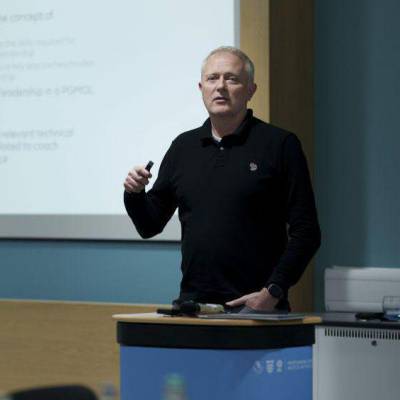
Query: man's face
[[225, 85]]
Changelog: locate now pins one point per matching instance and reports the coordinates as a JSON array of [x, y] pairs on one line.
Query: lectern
[[163, 358]]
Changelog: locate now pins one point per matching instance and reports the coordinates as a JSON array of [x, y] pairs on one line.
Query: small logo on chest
[[253, 167]]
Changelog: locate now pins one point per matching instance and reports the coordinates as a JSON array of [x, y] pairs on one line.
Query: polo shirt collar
[[237, 136]]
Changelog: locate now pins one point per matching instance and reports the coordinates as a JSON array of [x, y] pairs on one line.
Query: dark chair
[[68, 392]]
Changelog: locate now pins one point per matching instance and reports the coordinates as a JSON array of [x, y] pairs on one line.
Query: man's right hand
[[137, 179]]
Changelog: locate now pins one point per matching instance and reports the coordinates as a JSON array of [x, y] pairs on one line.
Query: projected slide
[[88, 89]]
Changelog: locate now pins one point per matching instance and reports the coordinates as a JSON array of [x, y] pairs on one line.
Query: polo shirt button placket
[[220, 160]]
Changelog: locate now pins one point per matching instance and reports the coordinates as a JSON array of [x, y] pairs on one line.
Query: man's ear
[[200, 86], [252, 90]]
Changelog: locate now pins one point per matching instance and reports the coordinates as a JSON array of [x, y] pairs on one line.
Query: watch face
[[275, 291]]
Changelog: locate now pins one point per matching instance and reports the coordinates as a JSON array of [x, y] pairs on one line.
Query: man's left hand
[[261, 301]]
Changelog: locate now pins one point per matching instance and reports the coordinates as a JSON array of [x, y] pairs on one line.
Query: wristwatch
[[275, 291]]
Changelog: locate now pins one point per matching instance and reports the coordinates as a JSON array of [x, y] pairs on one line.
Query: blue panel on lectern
[[191, 374]]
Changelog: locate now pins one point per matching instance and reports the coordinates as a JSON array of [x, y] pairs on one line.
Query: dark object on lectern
[[190, 308], [69, 392], [368, 316]]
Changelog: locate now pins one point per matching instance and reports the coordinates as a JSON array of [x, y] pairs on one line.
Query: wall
[[357, 98], [357, 103], [137, 272], [90, 271]]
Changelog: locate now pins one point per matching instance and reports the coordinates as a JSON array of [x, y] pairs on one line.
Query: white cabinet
[[352, 363]]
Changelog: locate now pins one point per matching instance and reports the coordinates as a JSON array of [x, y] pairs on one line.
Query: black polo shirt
[[245, 204]]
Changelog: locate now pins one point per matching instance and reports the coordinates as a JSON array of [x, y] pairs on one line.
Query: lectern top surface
[[154, 318]]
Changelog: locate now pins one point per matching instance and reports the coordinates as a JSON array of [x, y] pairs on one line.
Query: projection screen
[[88, 89]]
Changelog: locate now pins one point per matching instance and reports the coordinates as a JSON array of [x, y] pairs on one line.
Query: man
[[238, 182]]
